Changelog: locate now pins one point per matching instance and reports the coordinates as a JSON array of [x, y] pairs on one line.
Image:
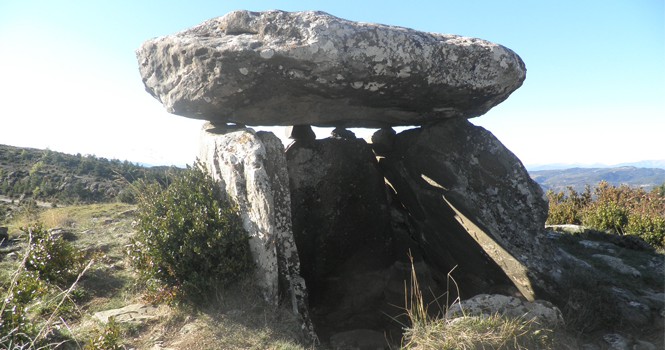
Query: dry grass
[[81, 217], [467, 332], [237, 318], [45, 326], [84, 216], [477, 332]]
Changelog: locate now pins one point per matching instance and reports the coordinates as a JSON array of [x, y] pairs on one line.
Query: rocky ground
[[353, 222], [624, 269]]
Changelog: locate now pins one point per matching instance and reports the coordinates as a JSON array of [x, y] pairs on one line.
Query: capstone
[[311, 68]]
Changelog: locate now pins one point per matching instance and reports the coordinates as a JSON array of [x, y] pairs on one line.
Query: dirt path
[[10, 200]]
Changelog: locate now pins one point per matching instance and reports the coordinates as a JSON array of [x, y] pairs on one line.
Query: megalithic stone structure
[[449, 194]]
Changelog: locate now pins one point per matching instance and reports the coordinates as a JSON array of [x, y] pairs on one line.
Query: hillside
[[60, 178], [558, 180]]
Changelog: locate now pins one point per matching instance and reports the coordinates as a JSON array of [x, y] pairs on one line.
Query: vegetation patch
[[444, 332], [41, 290], [62, 178], [478, 332], [42, 308], [189, 239], [620, 210]]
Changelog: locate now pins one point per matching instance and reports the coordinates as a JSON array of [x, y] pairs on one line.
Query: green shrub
[[650, 227], [4, 211], [15, 326], [188, 237], [108, 338], [567, 209], [622, 209], [126, 195], [48, 261], [54, 259], [606, 216]]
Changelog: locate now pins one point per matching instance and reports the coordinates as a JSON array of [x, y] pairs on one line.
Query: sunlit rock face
[[281, 68], [251, 169], [470, 194]]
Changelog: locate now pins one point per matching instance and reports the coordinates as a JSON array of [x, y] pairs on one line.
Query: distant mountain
[[559, 179], [562, 166], [656, 163]]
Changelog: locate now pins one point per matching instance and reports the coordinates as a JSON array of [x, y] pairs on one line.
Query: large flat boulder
[[281, 68]]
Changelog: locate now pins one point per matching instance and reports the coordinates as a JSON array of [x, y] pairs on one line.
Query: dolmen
[[339, 226]]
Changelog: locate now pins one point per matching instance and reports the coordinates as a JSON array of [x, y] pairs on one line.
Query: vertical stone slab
[[340, 207], [341, 224], [454, 165], [251, 168], [236, 158], [291, 282]]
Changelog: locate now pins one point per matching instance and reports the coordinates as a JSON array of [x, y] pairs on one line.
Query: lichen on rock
[[311, 68]]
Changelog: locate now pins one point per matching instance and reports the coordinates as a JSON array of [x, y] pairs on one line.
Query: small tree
[[190, 238]]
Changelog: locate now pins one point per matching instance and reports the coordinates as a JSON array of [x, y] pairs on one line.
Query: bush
[[188, 237], [108, 338], [622, 210], [49, 263], [606, 217], [567, 209], [54, 259], [15, 326], [126, 195], [650, 227]]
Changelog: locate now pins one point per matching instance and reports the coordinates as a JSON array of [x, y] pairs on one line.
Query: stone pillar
[[251, 168]]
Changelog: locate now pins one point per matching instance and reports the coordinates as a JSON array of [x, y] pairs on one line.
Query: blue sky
[[594, 93]]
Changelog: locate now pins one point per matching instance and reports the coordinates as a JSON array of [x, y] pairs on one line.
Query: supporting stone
[[341, 223], [300, 133], [251, 168], [456, 170]]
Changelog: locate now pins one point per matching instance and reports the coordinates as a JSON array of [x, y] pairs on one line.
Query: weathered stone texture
[[339, 207], [235, 159], [281, 68], [458, 170], [251, 168]]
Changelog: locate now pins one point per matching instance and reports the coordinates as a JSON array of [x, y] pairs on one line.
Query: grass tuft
[[467, 332]]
